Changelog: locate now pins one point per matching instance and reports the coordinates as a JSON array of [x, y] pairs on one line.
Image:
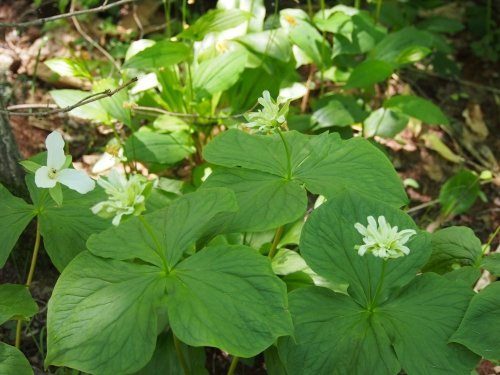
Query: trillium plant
[[150, 275]]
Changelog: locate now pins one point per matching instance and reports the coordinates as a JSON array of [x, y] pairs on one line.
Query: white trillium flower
[[383, 241], [125, 197], [56, 169]]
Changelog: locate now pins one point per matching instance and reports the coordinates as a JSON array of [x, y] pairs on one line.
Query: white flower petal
[[55, 150], [360, 228], [42, 179], [76, 180]]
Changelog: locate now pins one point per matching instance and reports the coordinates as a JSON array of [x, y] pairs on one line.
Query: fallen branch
[[41, 21], [89, 99], [138, 108]]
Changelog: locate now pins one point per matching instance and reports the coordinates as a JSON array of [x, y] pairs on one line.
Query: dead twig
[[138, 108], [41, 21], [89, 99]]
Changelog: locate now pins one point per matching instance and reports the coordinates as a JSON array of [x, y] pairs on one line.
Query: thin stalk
[[379, 286], [288, 156], [490, 240], [190, 78], [180, 355], [489, 6], [276, 240], [323, 46], [309, 8], [166, 6], [377, 12], [357, 4], [234, 364], [29, 279]]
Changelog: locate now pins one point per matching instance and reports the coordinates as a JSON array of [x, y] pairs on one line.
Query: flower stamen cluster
[[383, 241]]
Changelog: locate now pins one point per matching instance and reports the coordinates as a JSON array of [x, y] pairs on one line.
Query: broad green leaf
[[334, 335], [170, 124], [368, 73], [325, 164], [481, 324], [66, 67], [92, 111], [165, 360], [459, 193], [228, 297], [137, 46], [102, 316], [308, 39], [412, 54], [153, 147], [329, 165], [384, 123], [219, 73], [332, 114], [15, 214], [274, 365], [441, 25], [394, 44], [287, 261], [417, 107], [215, 20], [65, 228], [265, 201], [491, 262], [452, 248], [421, 319], [114, 105], [13, 362], [329, 239], [160, 55], [273, 43], [16, 303], [145, 238]]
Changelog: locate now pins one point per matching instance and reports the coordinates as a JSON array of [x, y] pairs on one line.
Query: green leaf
[[334, 335], [166, 361], [412, 54], [273, 43], [29, 165], [417, 107], [368, 73], [92, 111], [215, 20], [65, 228], [219, 73], [160, 55], [15, 214], [480, 326], [265, 201], [152, 147], [395, 44], [287, 261], [459, 193], [114, 105], [66, 67], [329, 239], [12, 361], [56, 194], [384, 123], [421, 320], [308, 39], [228, 297], [333, 114], [16, 303], [185, 220], [441, 25], [102, 316], [452, 248], [491, 262]]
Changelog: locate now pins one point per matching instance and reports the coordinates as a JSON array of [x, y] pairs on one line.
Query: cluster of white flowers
[[126, 197], [272, 115], [383, 241]]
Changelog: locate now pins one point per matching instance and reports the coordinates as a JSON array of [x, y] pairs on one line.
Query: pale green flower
[[383, 241], [272, 115], [126, 197], [57, 169]]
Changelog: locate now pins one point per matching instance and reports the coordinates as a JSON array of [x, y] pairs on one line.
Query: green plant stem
[[309, 8], [234, 364], [276, 240], [489, 6], [180, 355], [357, 4], [166, 7], [379, 286], [377, 12], [288, 156], [29, 279], [490, 240]]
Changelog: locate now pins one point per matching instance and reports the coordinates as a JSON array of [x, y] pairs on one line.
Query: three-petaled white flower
[[57, 169], [126, 197], [383, 241]]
